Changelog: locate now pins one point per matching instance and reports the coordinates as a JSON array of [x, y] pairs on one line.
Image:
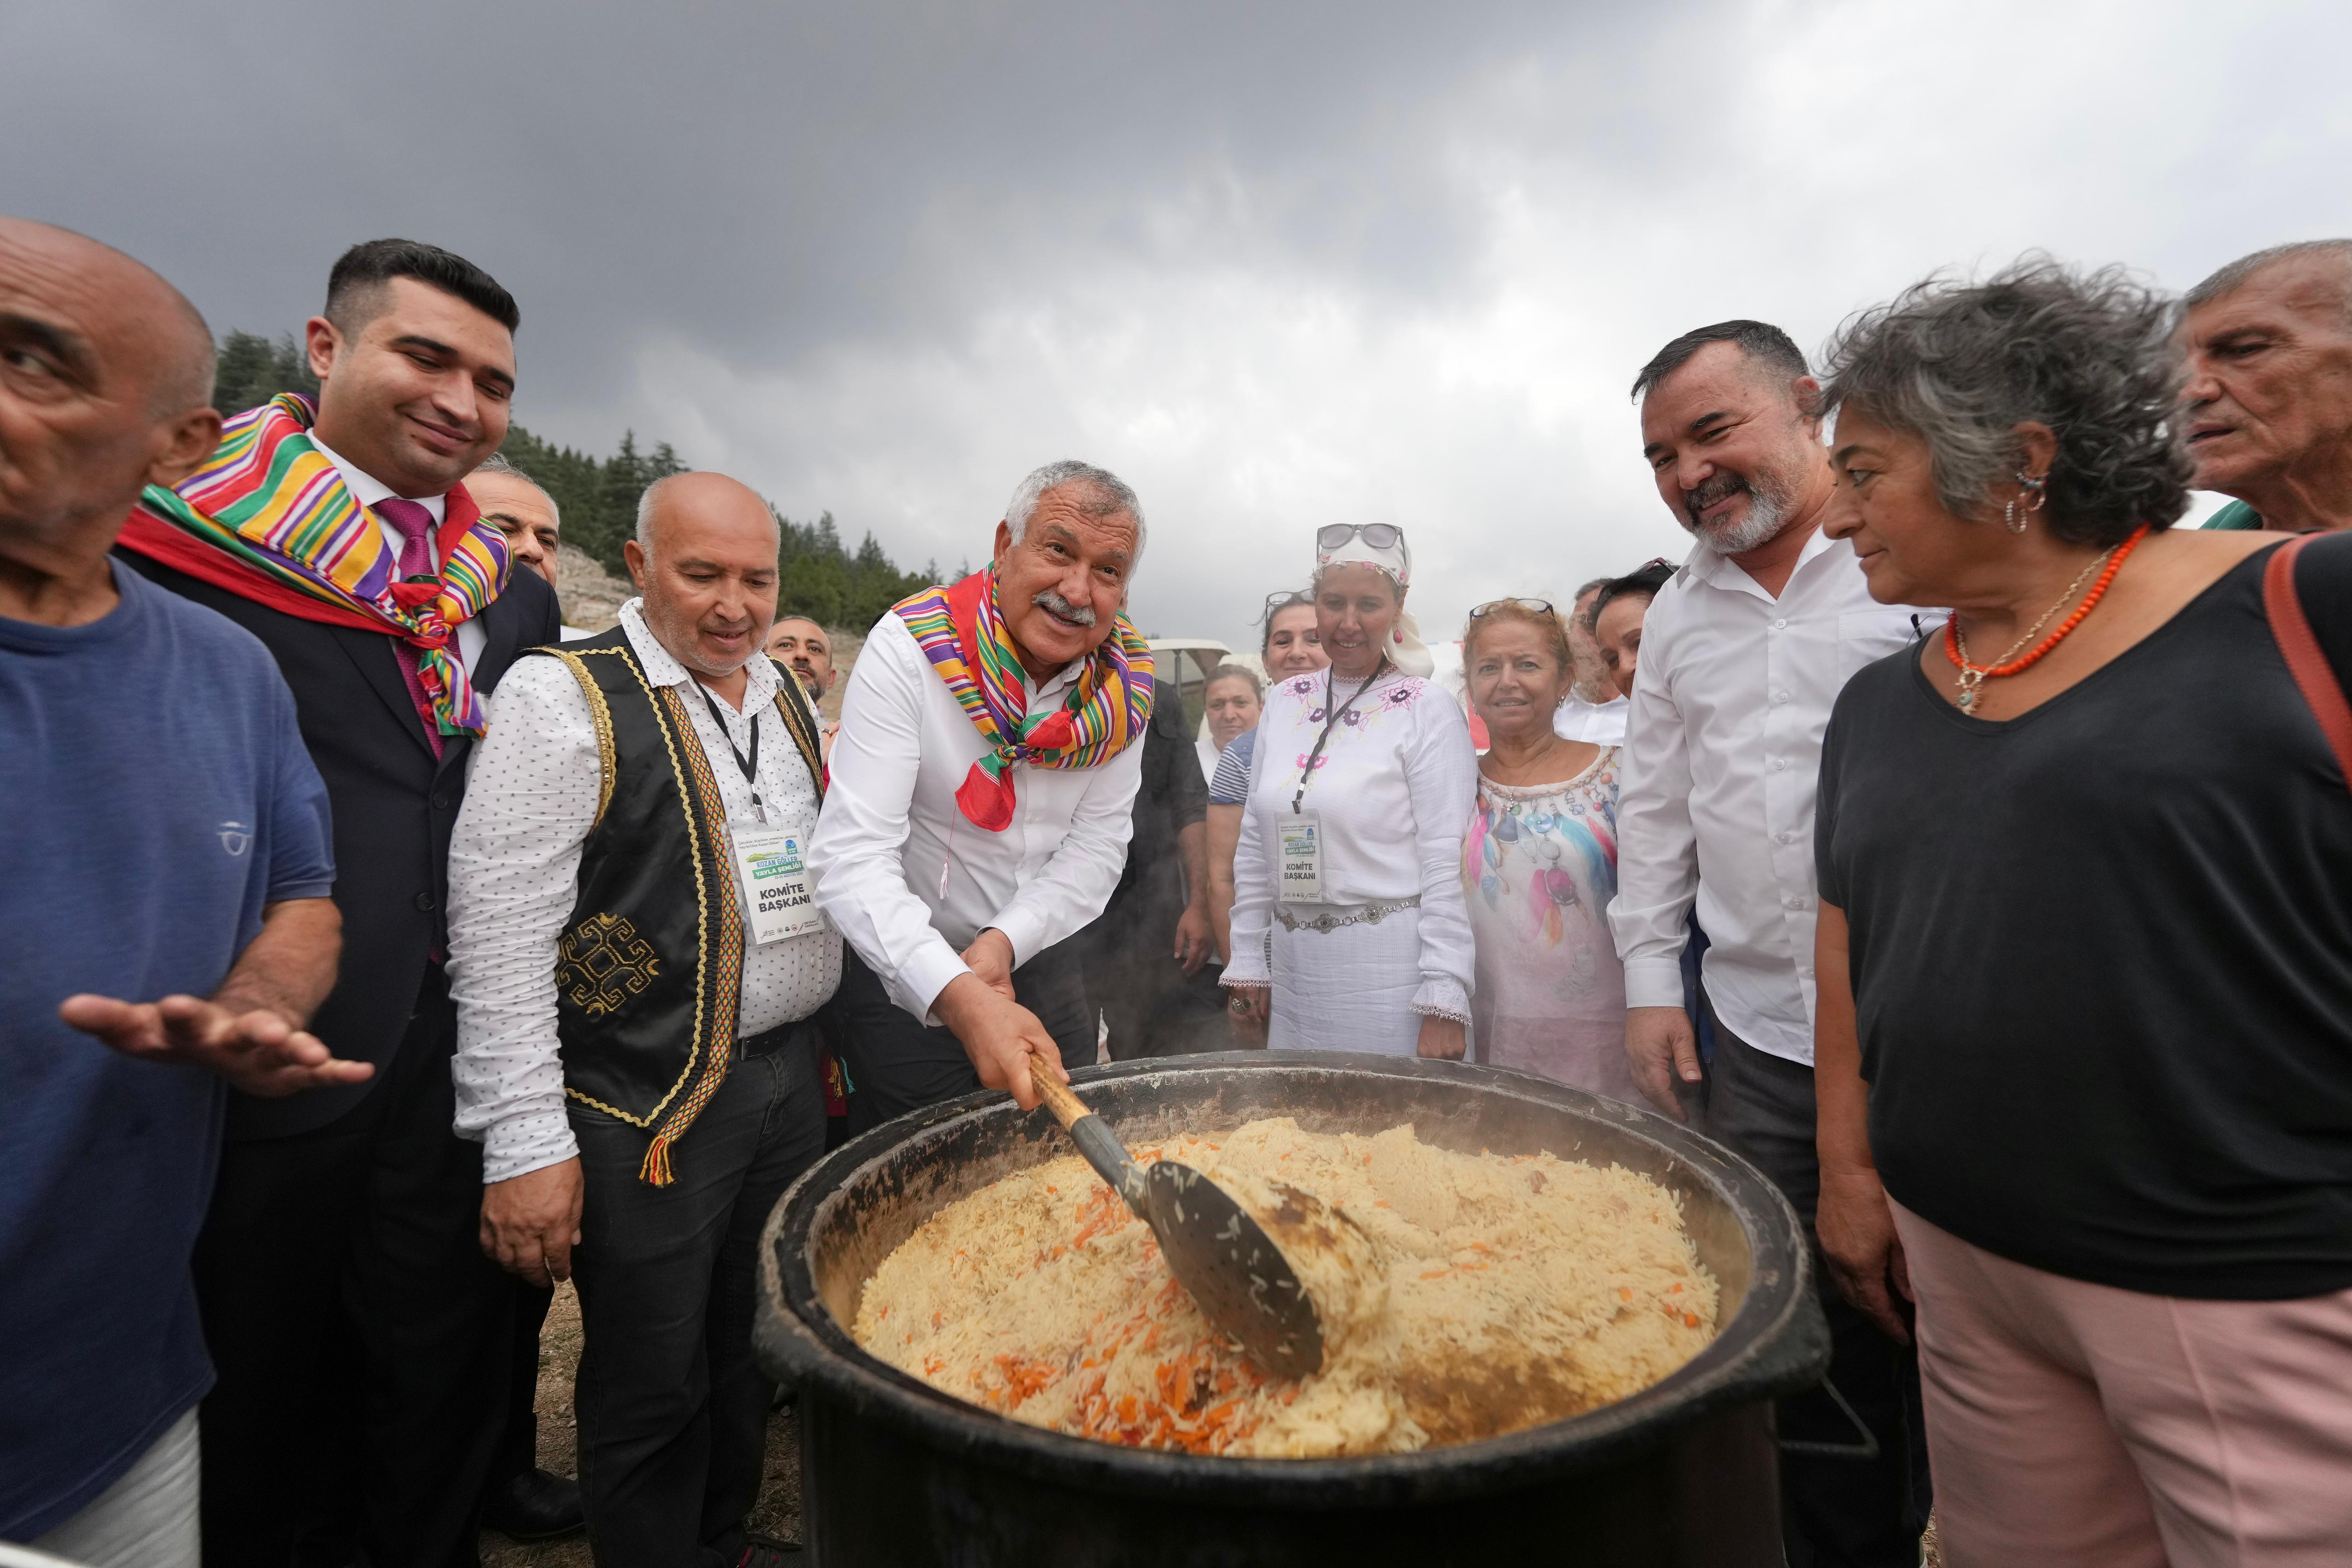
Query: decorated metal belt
[[1363, 914]]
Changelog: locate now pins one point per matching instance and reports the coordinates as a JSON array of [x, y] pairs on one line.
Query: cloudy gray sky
[[1276, 263]]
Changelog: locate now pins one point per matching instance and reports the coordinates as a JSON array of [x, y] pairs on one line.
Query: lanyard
[[1331, 716], [749, 764]]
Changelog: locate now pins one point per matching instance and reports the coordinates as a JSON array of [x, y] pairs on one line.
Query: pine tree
[[250, 370]]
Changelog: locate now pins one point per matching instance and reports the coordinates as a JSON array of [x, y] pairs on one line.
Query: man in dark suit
[[360, 1333]]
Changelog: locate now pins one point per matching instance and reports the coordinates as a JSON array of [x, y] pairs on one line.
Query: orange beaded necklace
[[1972, 676]]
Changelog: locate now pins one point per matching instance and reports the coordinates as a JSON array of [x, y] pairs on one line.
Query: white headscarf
[[1407, 652]]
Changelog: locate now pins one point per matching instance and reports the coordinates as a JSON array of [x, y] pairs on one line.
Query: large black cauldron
[[896, 1474]]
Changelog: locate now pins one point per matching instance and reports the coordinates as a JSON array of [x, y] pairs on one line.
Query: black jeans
[[361, 1339], [1837, 1512], [897, 1064], [517, 1425], [1150, 1007], [673, 1409]]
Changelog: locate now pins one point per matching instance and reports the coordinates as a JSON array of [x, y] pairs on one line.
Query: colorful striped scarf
[[268, 518], [961, 631]]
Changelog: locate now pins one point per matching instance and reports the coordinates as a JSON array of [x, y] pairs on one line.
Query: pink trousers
[[2078, 1426]]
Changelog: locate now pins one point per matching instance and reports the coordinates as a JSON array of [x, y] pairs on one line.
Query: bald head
[[700, 496], [157, 335], [105, 384], [705, 560]]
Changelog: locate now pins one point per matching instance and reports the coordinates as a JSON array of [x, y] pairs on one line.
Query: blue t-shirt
[[154, 794]]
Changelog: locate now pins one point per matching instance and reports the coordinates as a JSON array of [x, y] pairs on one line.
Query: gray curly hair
[[2086, 352]]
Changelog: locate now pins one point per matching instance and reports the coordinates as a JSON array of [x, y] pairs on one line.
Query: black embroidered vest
[[650, 964]]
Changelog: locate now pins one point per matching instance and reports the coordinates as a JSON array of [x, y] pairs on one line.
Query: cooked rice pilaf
[[1484, 1294]]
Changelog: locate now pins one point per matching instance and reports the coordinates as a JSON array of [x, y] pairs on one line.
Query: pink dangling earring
[[1397, 636]]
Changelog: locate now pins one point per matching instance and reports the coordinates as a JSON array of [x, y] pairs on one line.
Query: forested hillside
[[818, 576]]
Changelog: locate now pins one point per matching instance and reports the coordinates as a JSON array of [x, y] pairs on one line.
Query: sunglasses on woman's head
[[1541, 606], [1380, 536], [1284, 599]]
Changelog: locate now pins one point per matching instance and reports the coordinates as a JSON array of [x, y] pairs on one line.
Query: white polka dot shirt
[[514, 873]]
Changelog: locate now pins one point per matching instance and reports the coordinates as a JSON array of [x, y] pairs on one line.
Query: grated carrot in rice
[[1503, 1291]]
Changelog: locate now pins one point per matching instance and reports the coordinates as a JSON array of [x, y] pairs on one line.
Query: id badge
[[772, 874], [1299, 849]]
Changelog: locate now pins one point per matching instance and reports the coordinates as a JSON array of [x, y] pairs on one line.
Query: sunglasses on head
[[1541, 606], [1380, 536], [1283, 599]]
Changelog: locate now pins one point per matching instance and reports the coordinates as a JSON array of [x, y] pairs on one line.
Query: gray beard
[[1768, 514]]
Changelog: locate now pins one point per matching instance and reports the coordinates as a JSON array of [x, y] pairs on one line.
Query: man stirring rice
[[980, 802]]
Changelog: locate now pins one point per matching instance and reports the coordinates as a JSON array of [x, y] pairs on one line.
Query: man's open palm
[[258, 1052]]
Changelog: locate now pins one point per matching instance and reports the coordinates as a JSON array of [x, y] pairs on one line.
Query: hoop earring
[[2030, 491]]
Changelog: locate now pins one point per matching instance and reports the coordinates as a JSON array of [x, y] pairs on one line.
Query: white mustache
[[1052, 602]]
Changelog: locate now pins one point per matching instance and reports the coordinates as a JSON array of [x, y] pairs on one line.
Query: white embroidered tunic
[[1393, 786]]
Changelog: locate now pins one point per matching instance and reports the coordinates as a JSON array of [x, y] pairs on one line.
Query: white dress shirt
[[367, 490], [514, 877], [906, 878], [1602, 723], [1722, 758]]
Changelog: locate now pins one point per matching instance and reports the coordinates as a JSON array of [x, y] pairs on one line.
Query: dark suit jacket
[[394, 806], [1173, 797]]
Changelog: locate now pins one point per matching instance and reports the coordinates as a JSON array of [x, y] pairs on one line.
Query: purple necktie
[[414, 526]]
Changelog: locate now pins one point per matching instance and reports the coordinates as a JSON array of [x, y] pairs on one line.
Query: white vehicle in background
[[1186, 664]]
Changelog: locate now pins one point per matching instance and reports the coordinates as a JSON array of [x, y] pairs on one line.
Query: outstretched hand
[[258, 1052]]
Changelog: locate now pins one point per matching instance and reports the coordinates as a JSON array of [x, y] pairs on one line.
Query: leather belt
[[770, 1041]]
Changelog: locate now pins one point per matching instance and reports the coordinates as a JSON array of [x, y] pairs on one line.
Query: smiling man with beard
[[1743, 652], [981, 801]]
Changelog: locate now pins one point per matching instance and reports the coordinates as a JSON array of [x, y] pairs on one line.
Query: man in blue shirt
[[166, 841]]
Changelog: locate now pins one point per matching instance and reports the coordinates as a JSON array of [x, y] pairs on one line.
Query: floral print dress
[[1538, 869]]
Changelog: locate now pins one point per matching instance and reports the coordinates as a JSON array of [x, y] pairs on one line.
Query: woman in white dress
[[1351, 839]]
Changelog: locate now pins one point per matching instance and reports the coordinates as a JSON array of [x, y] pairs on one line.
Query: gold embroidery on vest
[[600, 714], [602, 962], [799, 723]]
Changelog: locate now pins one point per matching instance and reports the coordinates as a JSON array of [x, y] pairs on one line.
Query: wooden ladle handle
[[1093, 1136], [1067, 1107]]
